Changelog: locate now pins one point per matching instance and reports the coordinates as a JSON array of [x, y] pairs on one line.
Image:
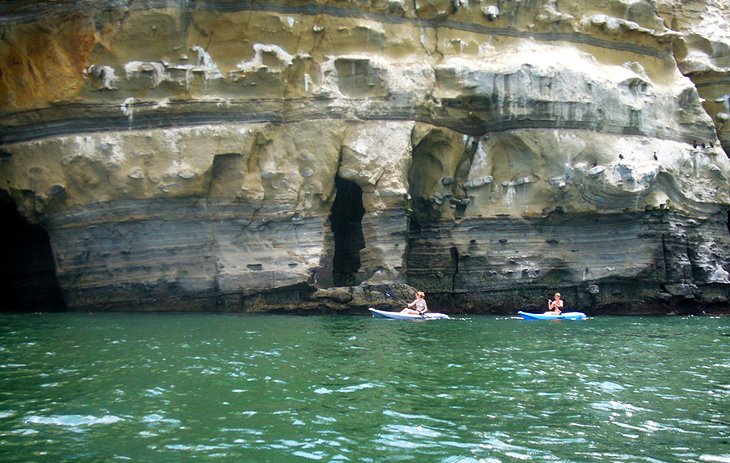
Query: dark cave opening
[[346, 221], [454, 252], [28, 281]]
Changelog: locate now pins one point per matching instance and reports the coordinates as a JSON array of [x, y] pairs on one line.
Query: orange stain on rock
[[42, 66]]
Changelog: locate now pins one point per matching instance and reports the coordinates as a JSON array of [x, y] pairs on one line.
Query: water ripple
[[290, 389], [72, 420]]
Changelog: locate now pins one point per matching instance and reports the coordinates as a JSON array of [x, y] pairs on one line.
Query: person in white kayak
[[555, 306], [418, 306]]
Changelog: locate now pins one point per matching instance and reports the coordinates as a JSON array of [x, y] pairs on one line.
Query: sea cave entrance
[[28, 280], [346, 221]]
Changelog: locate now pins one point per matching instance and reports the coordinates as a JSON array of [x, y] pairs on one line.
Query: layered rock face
[[286, 155]]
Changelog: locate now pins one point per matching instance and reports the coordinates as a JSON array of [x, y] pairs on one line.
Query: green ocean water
[[218, 388]]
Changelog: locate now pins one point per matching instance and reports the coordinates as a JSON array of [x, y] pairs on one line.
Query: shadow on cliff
[[28, 280]]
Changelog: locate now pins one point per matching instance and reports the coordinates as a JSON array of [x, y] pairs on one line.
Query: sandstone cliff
[[292, 155]]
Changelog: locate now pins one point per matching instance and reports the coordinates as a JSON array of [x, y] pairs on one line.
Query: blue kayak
[[552, 316], [402, 316]]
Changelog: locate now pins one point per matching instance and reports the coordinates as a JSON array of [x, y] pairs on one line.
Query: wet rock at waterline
[[258, 156]]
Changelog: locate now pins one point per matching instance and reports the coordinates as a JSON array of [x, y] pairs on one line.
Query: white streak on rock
[[206, 64]]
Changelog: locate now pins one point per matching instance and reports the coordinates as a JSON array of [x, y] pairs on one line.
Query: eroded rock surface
[[188, 156]]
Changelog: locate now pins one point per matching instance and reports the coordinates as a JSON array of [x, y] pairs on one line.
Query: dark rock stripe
[[101, 118], [12, 13]]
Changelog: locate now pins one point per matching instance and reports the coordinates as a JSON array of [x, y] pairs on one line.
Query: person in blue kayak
[[418, 306], [555, 305]]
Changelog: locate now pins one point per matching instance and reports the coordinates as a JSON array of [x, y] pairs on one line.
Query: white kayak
[[553, 316], [403, 316]]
